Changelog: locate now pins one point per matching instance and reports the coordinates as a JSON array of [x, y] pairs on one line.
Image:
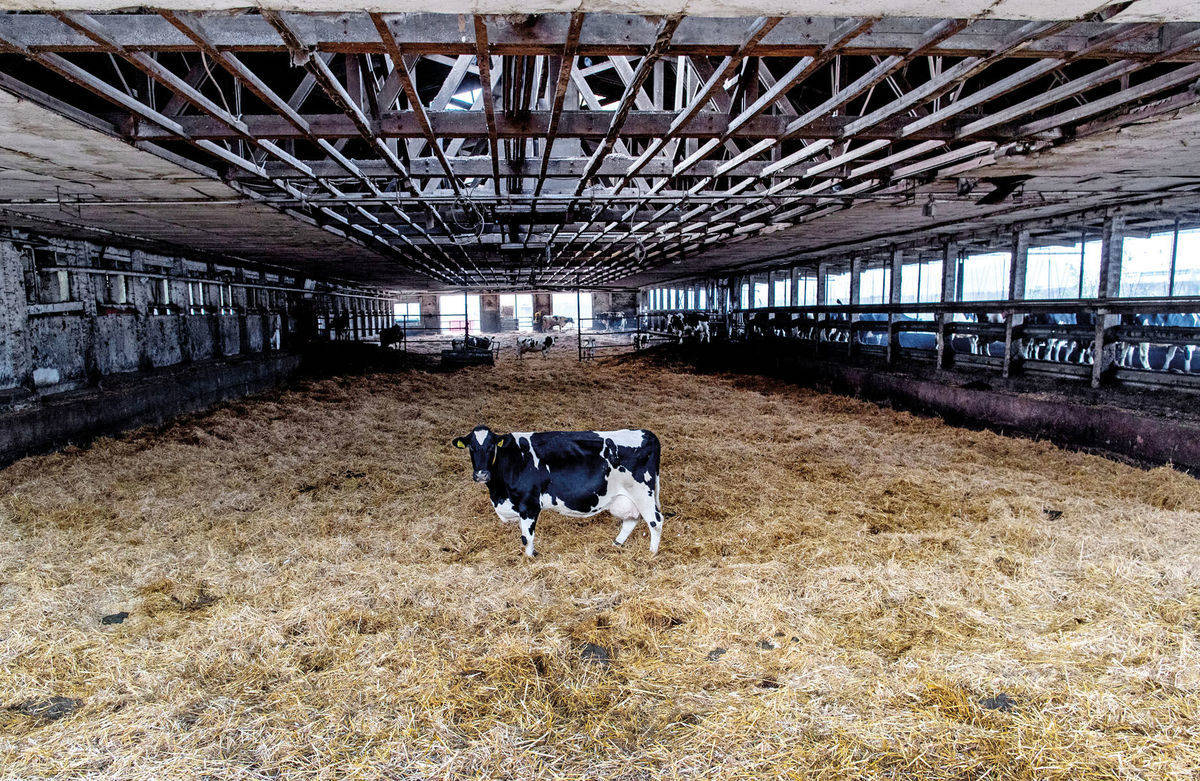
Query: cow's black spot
[[524, 540], [114, 618], [532, 526], [596, 654], [1000, 701], [653, 524], [50, 709]]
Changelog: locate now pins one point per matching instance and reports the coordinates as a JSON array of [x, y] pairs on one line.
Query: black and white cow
[[688, 326], [471, 343], [529, 344], [574, 473]]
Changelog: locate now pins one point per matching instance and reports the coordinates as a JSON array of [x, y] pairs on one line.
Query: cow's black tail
[[656, 465]]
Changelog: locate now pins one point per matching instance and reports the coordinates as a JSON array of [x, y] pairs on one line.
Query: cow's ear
[[459, 442]]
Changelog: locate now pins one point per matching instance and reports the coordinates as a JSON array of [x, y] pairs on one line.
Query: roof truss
[[572, 148]]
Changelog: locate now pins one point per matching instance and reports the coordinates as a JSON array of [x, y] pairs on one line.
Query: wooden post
[[894, 295], [1017, 266], [856, 268], [1112, 240], [945, 351], [578, 320]]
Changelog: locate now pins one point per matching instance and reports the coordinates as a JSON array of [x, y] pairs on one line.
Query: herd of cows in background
[[1072, 344], [1065, 338]]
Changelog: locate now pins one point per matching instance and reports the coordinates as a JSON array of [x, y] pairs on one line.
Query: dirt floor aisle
[[316, 589]]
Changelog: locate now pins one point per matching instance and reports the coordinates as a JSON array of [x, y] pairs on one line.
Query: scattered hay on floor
[[316, 589]]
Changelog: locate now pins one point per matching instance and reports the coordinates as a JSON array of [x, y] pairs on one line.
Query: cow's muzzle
[[482, 476]]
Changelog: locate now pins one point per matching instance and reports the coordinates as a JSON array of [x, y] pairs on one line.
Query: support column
[[430, 313], [794, 293], [14, 319], [949, 288], [542, 303], [1112, 241], [489, 313], [1017, 266], [770, 289], [895, 265], [856, 268]]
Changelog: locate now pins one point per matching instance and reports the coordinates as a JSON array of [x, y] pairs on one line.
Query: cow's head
[[483, 444]]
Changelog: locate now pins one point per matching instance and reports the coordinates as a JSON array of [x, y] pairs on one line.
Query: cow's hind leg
[[627, 527], [627, 510], [647, 506], [528, 526]]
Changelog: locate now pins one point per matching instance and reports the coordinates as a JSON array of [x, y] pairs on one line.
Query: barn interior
[[911, 298]]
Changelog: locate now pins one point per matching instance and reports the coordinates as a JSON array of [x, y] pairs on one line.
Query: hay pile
[[315, 589]]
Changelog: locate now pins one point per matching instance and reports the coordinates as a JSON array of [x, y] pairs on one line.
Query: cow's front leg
[[528, 526]]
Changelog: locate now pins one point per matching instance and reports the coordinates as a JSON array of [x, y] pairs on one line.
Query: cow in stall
[[834, 331], [1172, 351], [873, 337], [392, 336], [575, 473], [688, 326], [768, 324], [1050, 348], [530, 344], [985, 348]]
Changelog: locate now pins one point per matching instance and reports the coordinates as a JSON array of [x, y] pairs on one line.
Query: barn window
[[760, 295], [1064, 271], [458, 311], [783, 291], [1166, 263], [873, 284], [1186, 281], [807, 284], [837, 288], [48, 284], [408, 313], [196, 297], [113, 289], [983, 277], [160, 296], [921, 282]]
